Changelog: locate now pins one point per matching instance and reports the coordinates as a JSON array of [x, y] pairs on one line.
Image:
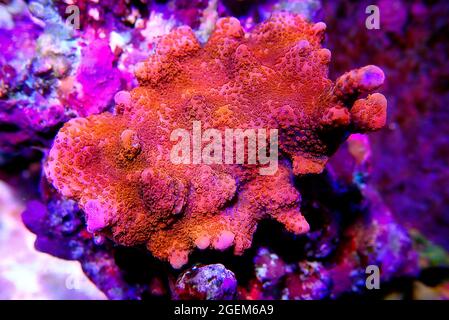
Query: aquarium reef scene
[[224, 150]]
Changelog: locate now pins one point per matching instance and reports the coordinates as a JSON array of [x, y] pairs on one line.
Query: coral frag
[[118, 168]]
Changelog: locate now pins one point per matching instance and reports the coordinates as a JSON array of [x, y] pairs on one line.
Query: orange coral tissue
[[117, 166]]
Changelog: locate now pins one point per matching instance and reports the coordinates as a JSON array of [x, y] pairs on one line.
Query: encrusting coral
[[118, 166]]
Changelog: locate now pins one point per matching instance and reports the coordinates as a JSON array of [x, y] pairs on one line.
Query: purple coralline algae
[[59, 224], [208, 282], [410, 156]]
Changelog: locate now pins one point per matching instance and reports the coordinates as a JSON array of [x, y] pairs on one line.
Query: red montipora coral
[[118, 166]]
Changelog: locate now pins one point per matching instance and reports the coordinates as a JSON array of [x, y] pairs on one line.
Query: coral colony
[[117, 166], [200, 149]]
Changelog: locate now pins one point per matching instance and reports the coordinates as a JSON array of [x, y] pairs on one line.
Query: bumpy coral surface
[[117, 166]]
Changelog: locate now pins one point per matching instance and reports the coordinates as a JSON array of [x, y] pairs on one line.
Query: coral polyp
[[117, 166]]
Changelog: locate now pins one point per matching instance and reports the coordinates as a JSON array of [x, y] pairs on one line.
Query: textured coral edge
[[117, 166]]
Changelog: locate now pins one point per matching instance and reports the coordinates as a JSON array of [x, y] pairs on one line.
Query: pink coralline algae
[[95, 81], [118, 168]]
